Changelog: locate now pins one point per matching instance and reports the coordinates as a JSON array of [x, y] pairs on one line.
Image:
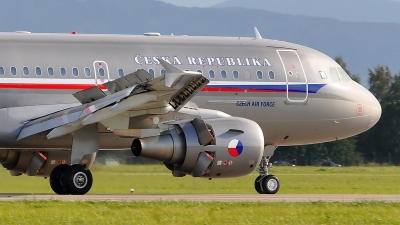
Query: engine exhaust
[[160, 148]]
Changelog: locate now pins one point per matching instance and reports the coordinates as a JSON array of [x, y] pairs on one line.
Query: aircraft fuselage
[[297, 95]]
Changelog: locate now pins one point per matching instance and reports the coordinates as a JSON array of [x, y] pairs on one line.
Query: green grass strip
[[156, 179], [57, 212]]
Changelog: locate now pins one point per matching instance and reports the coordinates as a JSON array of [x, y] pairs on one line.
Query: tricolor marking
[[235, 147]]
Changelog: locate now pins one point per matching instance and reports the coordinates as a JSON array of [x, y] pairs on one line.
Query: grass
[[56, 212], [156, 179]]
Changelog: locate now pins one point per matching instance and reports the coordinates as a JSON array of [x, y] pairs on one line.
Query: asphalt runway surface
[[206, 197]]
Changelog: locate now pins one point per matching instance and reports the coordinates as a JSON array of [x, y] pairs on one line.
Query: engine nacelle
[[38, 163], [213, 148]]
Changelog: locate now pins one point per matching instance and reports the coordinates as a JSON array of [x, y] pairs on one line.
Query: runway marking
[[206, 197]]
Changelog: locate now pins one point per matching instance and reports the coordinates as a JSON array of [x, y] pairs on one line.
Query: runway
[[206, 197]]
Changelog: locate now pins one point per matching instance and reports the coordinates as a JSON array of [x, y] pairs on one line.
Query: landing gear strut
[[77, 178], [265, 183], [74, 179]]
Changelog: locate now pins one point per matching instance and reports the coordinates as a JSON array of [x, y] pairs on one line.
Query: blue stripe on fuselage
[[299, 88]]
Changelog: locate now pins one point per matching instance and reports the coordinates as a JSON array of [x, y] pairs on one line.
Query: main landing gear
[[74, 179], [266, 184]]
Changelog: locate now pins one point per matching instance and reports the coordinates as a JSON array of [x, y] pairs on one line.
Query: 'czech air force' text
[[256, 104]]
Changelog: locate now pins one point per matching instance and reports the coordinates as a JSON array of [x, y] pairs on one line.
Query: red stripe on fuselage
[[48, 86], [210, 89], [86, 86]]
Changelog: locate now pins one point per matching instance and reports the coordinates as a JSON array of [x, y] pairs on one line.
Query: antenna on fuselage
[[258, 35]]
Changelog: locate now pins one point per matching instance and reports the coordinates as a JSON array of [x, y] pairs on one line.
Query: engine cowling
[[213, 148], [38, 163]]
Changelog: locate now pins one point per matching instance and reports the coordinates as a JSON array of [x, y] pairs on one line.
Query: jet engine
[[212, 148]]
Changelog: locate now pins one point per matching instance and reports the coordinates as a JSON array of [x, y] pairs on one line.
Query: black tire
[[55, 180], [258, 185], [77, 180], [270, 184]]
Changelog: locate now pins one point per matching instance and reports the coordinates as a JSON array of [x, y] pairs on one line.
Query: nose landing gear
[[265, 183]]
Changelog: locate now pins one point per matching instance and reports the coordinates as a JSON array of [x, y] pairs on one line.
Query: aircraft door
[[101, 72], [296, 79]]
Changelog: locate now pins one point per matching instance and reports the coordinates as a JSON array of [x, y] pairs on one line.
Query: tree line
[[380, 144]]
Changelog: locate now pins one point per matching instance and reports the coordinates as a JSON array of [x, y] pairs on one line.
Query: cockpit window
[[334, 74], [343, 75]]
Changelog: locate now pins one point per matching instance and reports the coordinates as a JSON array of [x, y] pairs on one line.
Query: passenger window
[[223, 74], [151, 72], [13, 71], [259, 74], [162, 72], [75, 72], [63, 72], [50, 71], [26, 71], [212, 74], [334, 74], [120, 72], [271, 75], [1, 71], [235, 74], [200, 71], [87, 72], [38, 71], [101, 72]]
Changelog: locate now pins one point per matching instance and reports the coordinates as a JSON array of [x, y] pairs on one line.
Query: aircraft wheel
[[77, 180], [270, 184], [55, 180], [258, 185]]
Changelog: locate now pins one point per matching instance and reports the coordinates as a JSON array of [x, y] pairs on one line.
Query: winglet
[[173, 73], [258, 35]]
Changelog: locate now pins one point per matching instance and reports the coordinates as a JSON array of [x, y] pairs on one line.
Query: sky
[[193, 3], [200, 3]]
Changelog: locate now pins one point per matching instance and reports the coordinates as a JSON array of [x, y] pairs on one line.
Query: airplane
[[211, 107]]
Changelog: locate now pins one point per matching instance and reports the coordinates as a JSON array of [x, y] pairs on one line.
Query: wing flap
[[89, 95], [110, 99], [50, 121], [138, 77]]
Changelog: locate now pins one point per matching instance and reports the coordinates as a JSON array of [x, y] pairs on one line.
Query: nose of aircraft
[[376, 110], [371, 105], [368, 109]]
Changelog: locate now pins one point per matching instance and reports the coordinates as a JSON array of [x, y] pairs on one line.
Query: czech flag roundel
[[235, 147]]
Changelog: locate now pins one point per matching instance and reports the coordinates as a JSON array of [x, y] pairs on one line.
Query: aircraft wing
[[133, 91]]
